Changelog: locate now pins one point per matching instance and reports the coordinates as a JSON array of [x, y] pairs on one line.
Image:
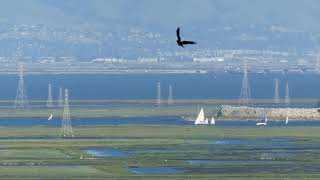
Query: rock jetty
[[252, 113]]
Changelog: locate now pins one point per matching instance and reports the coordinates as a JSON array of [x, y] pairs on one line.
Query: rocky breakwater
[[252, 113]]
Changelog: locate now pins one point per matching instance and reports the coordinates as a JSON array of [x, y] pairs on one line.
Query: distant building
[[146, 60], [206, 60], [108, 60]]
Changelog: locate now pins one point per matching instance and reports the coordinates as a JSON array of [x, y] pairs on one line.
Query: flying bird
[[181, 43]]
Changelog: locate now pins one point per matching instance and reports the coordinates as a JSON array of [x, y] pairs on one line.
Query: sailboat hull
[[261, 124], [201, 123]]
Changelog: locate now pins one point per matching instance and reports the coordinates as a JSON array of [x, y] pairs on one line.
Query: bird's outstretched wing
[[188, 42], [178, 34]]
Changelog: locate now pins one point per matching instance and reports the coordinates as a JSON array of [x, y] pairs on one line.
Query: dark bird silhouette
[[181, 43]]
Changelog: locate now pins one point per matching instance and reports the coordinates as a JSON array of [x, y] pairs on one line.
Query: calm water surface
[[156, 120], [143, 86]]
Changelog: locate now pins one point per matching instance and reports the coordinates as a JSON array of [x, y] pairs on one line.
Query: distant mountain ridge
[[164, 14], [146, 28]]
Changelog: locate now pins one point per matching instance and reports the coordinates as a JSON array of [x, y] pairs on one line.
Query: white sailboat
[[287, 101], [263, 123], [201, 119], [50, 117], [213, 122], [287, 116]]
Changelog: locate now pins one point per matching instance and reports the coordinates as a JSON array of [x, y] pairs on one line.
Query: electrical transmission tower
[[21, 101], [49, 100], [287, 97], [66, 127], [60, 100], [170, 97], [318, 64], [245, 93], [158, 100], [276, 98]]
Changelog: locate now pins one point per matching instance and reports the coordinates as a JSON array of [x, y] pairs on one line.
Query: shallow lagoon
[[248, 141], [152, 120], [227, 162], [155, 170], [111, 86], [107, 152]]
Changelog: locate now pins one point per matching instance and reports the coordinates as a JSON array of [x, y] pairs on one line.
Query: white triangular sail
[[213, 122], [266, 120], [201, 119], [50, 117], [287, 116]]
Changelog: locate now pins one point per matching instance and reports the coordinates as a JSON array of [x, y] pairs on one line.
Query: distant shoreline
[[254, 120], [166, 67], [277, 113], [152, 102], [187, 110]]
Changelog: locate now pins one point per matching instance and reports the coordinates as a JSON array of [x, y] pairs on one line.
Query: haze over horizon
[[146, 28], [165, 14]]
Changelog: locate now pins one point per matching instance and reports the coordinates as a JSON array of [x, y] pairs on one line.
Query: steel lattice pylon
[[318, 64], [49, 100], [21, 100], [170, 97], [276, 98], [158, 100], [245, 93], [287, 97], [60, 100], [66, 126]]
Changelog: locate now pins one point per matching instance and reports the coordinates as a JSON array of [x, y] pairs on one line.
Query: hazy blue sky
[[163, 13]]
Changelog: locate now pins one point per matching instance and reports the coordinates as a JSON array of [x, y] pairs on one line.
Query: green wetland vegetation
[[195, 152], [132, 111], [186, 109]]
